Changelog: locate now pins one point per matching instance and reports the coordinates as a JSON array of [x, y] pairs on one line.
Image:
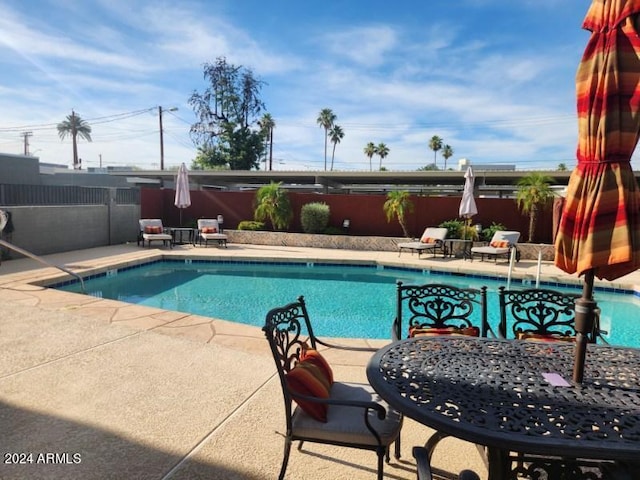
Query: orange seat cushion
[[434, 332], [547, 337]]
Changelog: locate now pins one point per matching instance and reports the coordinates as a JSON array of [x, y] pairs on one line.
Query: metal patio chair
[[356, 416], [437, 309], [539, 314]]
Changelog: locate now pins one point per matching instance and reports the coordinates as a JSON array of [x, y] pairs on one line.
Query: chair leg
[[285, 458], [397, 447], [381, 454]]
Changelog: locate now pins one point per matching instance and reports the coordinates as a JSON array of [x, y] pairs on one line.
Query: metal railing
[[42, 260], [27, 195]]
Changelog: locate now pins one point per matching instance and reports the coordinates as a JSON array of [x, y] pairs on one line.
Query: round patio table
[[516, 396]]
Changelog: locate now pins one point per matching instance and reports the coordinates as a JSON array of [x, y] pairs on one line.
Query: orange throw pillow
[[314, 356], [306, 378], [428, 240], [499, 244], [209, 230], [152, 229]]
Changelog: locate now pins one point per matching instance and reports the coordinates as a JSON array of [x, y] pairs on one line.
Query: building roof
[[347, 182]]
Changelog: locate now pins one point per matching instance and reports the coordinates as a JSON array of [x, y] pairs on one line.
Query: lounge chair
[[328, 411], [432, 240], [209, 230], [151, 230], [501, 244]]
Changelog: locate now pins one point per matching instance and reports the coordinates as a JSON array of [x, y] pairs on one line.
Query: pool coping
[[520, 279]]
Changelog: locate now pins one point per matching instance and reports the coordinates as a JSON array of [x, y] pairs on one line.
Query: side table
[[178, 235], [466, 247]]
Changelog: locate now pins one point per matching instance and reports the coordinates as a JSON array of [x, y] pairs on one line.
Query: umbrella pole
[[585, 319]]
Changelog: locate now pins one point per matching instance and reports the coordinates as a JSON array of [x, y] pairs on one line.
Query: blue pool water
[[343, 301]]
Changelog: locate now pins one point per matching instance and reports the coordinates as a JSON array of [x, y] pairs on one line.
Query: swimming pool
[[350, 301]]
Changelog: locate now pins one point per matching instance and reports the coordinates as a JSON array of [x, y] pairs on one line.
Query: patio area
[[100, 389]]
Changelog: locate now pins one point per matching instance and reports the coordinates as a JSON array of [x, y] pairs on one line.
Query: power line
[[94, 121]]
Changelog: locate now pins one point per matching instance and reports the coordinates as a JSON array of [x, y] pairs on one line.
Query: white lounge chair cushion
[[153, 222], [347, 423], [511, 237], [433, 234], [210, 223]]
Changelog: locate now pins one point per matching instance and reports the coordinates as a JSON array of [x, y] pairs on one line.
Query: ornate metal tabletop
[[499, 394]]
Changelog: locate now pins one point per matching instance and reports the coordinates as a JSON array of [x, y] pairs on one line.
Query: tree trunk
[[532, 222]]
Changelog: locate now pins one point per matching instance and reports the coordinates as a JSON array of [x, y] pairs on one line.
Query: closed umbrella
[[183, 197], [467, 209], [599, 232], [468, 204]]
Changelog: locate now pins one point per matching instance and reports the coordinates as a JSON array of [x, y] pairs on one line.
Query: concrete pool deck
[[118, 391]]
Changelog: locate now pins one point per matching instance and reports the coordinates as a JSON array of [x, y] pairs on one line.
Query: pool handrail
[[35, 257]]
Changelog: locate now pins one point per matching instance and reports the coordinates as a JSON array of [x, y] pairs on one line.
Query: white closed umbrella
[[183, 197], [468, 203]]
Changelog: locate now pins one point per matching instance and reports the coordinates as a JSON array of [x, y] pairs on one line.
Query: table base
[[515, 466]]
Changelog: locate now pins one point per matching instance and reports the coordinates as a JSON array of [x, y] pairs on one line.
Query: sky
[[495, 79]]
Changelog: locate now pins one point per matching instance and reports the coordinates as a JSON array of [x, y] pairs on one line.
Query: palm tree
[[398, 204], [272, 202], [335, 134], [325, 119], [447, 152], [533, 191], [267, 124], [435, 144], [73, 125], [382, 150], [370, 151], [562, 167]]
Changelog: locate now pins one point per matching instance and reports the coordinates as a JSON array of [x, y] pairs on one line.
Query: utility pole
[[172, 109], [26, 136]]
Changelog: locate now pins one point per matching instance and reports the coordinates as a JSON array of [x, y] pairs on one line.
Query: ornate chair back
[[538, 313], [437, 307], [285, 328]]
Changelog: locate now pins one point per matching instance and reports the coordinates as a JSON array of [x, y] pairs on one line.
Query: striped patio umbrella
[[599, 233]]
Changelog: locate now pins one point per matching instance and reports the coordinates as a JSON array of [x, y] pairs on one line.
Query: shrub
[[454, 228], [273, 204], [469, 232], [250, 225], [314, 217], [487, 233], [331, 230]]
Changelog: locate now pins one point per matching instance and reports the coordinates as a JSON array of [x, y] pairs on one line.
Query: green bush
[[454, 228], [331, 230], [487, 233], [314, 217], [250, 225]]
